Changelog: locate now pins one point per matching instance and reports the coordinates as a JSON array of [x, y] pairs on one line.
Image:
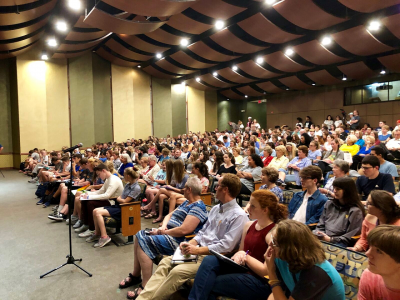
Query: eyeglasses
[[305, 178], [366, 168]]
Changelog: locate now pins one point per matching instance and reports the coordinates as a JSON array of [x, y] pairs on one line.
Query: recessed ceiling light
[[183, 83], [289, 52], [52, 42], [344, 78], [374, 25], [383, 72], [61, 26], [139, 66], [215, 74], [246, 96], [158, 55], [287, 89], [45, 57], [270, 2], [227, 99], [184, 42], [219, 24], [74, 4], [326, 41], [259, 60], [313, 83], [234, 68], [198, 79]]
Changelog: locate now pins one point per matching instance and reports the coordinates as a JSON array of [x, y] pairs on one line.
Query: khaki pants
[[167, 279]]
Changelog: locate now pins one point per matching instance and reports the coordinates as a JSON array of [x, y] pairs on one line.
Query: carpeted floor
[[31, 244]]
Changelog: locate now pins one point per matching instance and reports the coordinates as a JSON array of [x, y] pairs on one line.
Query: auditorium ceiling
[[243, 48]]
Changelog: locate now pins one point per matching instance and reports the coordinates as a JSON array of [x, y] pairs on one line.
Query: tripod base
[[70, 261]]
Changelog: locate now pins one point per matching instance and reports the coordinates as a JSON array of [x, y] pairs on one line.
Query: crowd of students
[[339, 198]]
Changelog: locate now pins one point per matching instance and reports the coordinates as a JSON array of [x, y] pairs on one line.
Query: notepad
[[223, 259], [179, 258]]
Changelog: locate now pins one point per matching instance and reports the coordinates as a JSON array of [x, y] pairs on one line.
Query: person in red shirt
[[382, 278], [266, 159]]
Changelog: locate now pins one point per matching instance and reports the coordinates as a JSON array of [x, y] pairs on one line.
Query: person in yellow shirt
[[350, 145]]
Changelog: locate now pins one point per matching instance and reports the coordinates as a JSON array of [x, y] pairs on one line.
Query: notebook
[[223, 259], [179, 258]]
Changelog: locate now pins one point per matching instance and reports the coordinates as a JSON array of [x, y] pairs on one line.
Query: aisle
[[31, 244]]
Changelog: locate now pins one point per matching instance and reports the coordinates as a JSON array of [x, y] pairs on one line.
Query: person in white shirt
[[148, 177], [111, 189], [329, 121], [338, 121], [393, 144], [318, 130]]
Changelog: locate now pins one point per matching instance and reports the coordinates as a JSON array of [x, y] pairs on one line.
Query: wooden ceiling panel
[[253, 69], [232, 95], [229, 74], [115, 60], [164, 37], [15, 2], [188, 61], [141, 44], [118, 48], [269, 87], [20, 44], [204, 51], [197, 85], [359, 41], [154, 72], [155, 8], [172, 68], [299, 12], [105, 21], [12, 34], [357, 70], [294, 83], [217, 9], [186, 24], [229, 41], [70, 55], [368, 5], [27, 15], [85, 36], [210, 79], [15, 53], [393, 24], [315, 53], [261, 28], [249, 91], [323, 77], [281, 62], [392, 62]]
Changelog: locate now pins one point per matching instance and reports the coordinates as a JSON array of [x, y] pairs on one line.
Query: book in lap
[[179, 258]]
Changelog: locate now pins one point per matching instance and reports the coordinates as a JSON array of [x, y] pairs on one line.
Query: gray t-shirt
[[35, 156], [355, 125], [388, 168], [255, 172]]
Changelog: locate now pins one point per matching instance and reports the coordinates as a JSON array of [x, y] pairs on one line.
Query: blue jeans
[[288, 177], [214, 280]]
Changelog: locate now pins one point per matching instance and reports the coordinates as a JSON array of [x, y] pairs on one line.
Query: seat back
[[349, 264], [142, 191]]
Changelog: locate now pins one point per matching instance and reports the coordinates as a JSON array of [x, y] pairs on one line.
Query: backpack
[[41, 190]]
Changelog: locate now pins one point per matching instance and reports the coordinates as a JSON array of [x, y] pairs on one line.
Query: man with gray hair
[[149, 175], [193, 187]]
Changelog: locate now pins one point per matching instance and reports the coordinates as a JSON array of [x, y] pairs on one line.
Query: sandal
[[136, 293], [144, 213], [151, 215], [157, 221], [133, 281]]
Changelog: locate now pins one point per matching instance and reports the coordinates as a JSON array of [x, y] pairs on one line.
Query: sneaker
[[74, 219], [47, 204], [56, 217], [93, 238], [55, 208], [86, 234], [82, 228], [33, 180], [40, 202], [77, 224], [102, 242]]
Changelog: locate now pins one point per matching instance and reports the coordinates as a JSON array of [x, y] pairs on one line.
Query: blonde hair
[[281, 148], [110, 166], [352, 138]]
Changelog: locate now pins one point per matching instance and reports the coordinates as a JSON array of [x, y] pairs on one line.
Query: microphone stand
[[70, 258]]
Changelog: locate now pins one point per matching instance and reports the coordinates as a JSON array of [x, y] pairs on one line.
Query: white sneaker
[[86, 234], [77, 224], [82, 228], [74, 219], [93, 238]]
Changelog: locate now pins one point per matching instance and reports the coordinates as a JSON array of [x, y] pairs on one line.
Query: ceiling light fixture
[[234, 68], [344, 78], [326, 41], [313, 83], [158, 55], [270, 2], [374, 25], [289, 52], [52, 42], [219, 24], [287, 88], [246, 96], [61, 26], [198, 79], [45, 57], [215, 74], [184, 42], [139, 66], [183, 83], [74, 4], [383, 72], [259, 60]]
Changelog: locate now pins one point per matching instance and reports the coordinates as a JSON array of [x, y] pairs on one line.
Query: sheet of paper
[[179, 256]]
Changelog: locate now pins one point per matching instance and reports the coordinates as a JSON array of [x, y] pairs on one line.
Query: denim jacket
[[315, 206]]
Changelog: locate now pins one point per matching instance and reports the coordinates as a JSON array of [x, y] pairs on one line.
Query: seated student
[[61, 170], [291, 150], [151, 170], [304, 273], [267, 156], [381, 279], [205, 158], [350, 145], [295, 166], [364, 151], [393, 145], [314, 153], [126, 162], [238, 157], [227, 167], [214, 279], [280, 161], [340, 168], [164, 155], [382, 209], [112, 188], [372, 178], [307, 206], [221, 233], [188, 218], [330, 156], [248, 175], [130, 193], [386, 167], [384, 135], [343, 216], [218, 158]]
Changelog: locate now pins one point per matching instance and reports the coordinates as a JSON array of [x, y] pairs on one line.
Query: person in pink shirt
[[381, 281]]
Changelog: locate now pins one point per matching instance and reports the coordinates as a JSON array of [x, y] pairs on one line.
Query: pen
[[247, 252]]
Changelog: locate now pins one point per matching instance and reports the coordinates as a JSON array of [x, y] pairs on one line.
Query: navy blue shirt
[[123, 167], [382, 182]]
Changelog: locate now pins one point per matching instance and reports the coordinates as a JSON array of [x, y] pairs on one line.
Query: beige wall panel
[[362, 109], [162, 107], [386, 108], [296, 104], [211, 117], [373, 109], [141, 99], [57, 104], [396, 107], [196, 109], [6, 161], [390, 120], [372, 120], [315, 101], [333, 99], [31, 82], [123, 105], [5, 107], [318, 116]]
